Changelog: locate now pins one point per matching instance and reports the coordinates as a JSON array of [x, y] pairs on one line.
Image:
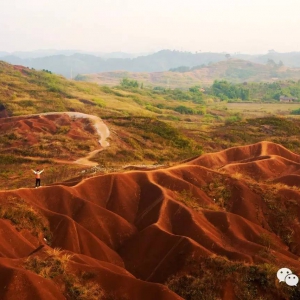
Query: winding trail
[[102, 131], [86, 160], [98, 124]]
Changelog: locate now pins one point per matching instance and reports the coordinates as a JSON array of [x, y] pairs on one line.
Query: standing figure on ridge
[[37, 177]]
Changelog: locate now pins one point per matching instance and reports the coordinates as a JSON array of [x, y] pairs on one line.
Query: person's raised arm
[[33, 171]]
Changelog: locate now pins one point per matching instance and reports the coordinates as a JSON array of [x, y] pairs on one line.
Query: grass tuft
[[55, 267], [24, 216], [212, 276]]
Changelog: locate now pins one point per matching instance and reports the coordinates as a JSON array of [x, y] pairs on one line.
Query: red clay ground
[[50, 136], [132, 231], [60, 143]]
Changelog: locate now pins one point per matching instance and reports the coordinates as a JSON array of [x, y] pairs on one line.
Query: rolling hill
[[233, 70], [147, 127], [199, 225], [29, 140], [218, 226], [69, 63], [79, 63]]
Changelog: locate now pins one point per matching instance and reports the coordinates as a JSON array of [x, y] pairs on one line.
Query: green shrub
[[99, 102], [232, 119], [125, 82], [184, 110], [295, 112], [153, 109], [201, 110], [160, 105]]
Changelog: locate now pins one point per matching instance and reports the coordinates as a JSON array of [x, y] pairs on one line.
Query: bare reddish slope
[[148, 225], [33, 130]]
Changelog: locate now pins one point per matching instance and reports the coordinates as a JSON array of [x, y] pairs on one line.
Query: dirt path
[[100, 127], [86, 160], [102, 131]]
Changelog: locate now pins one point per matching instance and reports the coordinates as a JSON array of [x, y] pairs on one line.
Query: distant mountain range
[[53, 52], [70, 64]]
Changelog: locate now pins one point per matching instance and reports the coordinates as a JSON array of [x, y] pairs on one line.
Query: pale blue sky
[[247, 26]]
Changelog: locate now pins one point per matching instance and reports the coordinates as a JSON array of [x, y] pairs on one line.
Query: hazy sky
[[247, 26]]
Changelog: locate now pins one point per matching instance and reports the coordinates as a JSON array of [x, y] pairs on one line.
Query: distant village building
[[287, 99]]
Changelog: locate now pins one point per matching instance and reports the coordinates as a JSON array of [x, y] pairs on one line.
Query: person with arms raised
[[37, 177]]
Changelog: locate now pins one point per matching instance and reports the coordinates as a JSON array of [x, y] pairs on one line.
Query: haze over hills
[[233, 70], [149, 150], [182, 121], [217, 225], [81, 63], [52, 52]]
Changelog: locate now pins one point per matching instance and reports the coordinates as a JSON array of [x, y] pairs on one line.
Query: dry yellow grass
[[54, 266], [24, 216]]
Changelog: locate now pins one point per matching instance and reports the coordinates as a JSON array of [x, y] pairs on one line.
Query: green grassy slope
[[147, 126], [128, 114]]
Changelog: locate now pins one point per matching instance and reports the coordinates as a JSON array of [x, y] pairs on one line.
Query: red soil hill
[[134, 230], [29, 132]]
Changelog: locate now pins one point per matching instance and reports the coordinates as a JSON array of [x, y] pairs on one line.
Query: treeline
[[225, 91], [128, 83], [254, 91], [273, 91], [193, 94]]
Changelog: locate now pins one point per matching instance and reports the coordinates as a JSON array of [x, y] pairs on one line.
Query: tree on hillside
[[245, 93], [47, 71], [226, 90], [184, 110], [180, 69], [196, 93], [125, 82], [195, 89], [271, 63]]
